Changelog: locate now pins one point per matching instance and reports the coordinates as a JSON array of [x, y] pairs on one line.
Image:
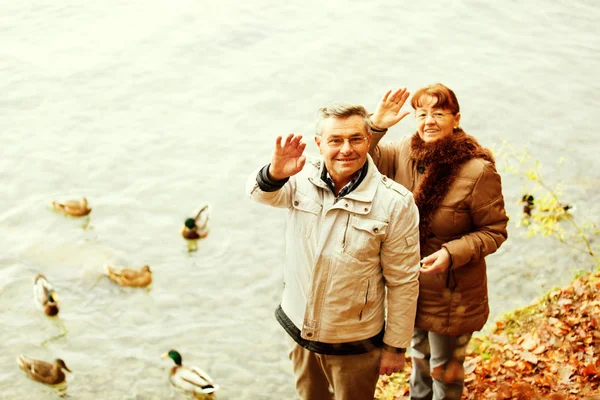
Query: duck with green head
[[197, 227], [528, 203], [190, 379], [44, 295]]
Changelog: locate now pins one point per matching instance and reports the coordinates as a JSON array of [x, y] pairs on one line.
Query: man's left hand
[[391, 362]]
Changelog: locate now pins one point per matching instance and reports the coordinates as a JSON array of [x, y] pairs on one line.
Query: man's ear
[[318, 142]]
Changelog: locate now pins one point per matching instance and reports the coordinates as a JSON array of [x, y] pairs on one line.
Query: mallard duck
[[44, 295], [75, 208], [189, 378], [527, 201], [129, 277], [42, 371], [197, 226]]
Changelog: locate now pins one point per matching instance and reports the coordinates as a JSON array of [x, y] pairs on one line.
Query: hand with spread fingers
[[391, 362], [389, 110], [288, 158], [436, 263]]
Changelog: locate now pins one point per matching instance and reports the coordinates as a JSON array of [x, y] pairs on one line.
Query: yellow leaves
[[532, 175], [547, 214]]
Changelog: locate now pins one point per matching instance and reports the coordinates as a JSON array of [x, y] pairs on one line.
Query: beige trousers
[[328, 377]]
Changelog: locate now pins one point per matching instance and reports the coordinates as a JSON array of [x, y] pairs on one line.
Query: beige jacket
[[470, 222], [341, 255]]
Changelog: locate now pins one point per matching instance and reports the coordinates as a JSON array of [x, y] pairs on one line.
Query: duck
[[128, 276], [528, 204], [197, 227], [74, 208], [42, 371], [190, 379], [44, 295]]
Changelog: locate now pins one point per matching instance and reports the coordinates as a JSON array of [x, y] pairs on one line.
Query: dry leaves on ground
[[550, 350]]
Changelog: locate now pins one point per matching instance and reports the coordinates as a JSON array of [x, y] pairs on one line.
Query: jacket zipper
[[345, 232], [365, 303]]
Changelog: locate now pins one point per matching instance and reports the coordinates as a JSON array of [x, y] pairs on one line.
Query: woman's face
[[434, 123]]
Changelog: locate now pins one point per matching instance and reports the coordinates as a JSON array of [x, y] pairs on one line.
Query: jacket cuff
[[459, 255], [391, 349], [265, 183], [377, 130], [449, 254]]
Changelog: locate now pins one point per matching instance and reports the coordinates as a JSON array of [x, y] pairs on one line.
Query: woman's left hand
[[389, 110], [436, 263]]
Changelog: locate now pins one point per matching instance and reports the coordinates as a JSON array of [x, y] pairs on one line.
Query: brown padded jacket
[[459, 195]]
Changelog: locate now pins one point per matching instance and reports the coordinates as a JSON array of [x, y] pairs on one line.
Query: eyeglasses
[[437, 115], [336, 143]]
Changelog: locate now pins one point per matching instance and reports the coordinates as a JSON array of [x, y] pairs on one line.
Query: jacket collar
[[365, 192], [443, 160]]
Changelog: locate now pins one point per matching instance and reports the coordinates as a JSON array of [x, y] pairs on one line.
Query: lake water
[[151, 108]]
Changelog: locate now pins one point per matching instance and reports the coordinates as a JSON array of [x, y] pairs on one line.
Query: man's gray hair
[[342, 111]]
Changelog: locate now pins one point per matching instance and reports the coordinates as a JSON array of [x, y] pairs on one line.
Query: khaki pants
[[327, 377]]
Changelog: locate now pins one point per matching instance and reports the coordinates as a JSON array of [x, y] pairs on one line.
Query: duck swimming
[[128, 276], [74, 208], [197, 227], [42, 371], [190, 379], [44, 295], [529, 203]]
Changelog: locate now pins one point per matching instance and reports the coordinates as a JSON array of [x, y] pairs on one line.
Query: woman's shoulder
[[474, 168]]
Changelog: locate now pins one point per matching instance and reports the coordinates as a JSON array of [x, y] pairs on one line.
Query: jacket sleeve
[[489, 221], [384, 155], [277, 198], [400, 262]]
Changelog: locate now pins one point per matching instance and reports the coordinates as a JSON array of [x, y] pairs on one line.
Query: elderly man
[[351, 233]]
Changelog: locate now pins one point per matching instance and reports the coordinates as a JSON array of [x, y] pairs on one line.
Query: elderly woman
[[462, 220]]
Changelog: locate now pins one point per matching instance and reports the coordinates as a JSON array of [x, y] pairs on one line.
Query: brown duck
[[75, 208], [42, 371], [128, 276]]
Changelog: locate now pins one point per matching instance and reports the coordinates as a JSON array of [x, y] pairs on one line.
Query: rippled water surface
[[151, 108]]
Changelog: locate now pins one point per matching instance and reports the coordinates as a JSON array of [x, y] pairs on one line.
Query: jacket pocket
[[363, 237], [304, 213], [364, 299]]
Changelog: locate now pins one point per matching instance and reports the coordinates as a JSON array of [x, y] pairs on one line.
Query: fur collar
[[442, 160]]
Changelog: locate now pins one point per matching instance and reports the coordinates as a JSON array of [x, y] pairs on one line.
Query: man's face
[[344, 143]]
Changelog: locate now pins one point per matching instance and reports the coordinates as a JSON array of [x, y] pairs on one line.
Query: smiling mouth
[[346, 159]]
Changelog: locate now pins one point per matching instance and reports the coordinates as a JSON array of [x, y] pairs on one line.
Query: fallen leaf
[[529, 357], [590, 369], [529, 344], [539, 350]]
